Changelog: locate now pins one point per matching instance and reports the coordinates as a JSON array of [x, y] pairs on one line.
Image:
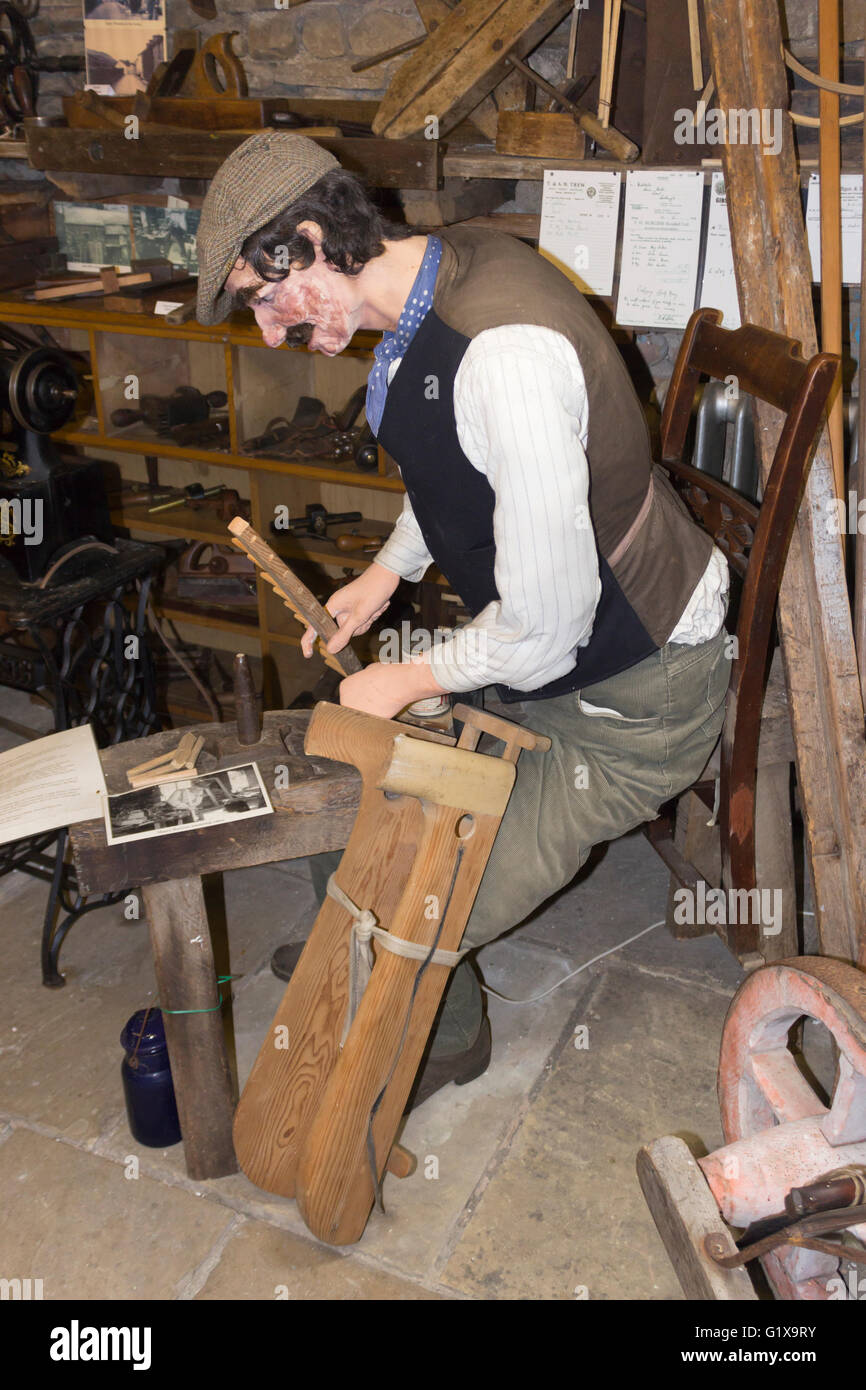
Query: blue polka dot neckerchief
[[418, 302]]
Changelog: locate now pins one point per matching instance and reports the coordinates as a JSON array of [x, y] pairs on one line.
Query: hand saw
[[295, 595]]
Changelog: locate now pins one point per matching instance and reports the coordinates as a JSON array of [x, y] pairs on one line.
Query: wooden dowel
[[831, 220], [695, 45], [605, 45]]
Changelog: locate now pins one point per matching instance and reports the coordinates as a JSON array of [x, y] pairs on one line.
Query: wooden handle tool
[[608, 137], [295, 595]]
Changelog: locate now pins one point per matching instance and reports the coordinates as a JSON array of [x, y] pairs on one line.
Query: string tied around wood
[[365, 929]]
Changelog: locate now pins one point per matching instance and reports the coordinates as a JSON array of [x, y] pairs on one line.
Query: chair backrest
[[754, 539]]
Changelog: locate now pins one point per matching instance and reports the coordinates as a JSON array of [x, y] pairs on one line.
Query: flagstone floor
[[525, 1186]]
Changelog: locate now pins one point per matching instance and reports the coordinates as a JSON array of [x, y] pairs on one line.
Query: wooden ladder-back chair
[[755, 542]]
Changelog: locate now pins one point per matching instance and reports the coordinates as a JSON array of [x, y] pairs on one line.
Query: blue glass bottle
[[147, 1085]]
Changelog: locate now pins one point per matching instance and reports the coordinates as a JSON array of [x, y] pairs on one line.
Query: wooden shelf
[[343, 473], [224, 620]]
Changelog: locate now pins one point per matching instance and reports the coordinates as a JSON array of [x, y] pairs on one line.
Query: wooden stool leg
[[183, 960], [774, 857], [699, 843]]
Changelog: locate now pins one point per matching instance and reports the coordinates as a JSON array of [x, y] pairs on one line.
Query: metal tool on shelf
[[315, 521], [185, 406]]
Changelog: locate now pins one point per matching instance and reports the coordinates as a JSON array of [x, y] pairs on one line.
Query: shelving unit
[[260, 384]]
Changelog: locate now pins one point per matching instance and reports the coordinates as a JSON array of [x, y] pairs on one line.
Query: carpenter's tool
[[173, 766], [249, 725], [193, 492], [296, 596], [318, 1118], [350, 541], [787, 1155], [605, 135], [315, 521], [185, 406], [212, 71]]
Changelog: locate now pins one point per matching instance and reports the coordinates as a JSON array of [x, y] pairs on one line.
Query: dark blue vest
[[453, 505]]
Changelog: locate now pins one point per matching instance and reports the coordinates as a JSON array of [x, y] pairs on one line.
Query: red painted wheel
[[761, 1087]]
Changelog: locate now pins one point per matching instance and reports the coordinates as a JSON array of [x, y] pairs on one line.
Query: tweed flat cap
[[262, 177]]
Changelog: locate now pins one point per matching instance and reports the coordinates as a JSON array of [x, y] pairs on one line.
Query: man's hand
[[384, 688], [356, 606]]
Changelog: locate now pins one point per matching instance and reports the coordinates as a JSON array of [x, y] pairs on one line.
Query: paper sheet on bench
[[50, 782]]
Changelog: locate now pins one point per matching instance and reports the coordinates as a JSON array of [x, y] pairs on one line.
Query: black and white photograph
[[212, 798], [94, 235], [151, 10], [168, 233], [122, 56]]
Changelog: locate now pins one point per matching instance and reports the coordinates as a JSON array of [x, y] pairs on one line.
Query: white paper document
[[50, 782], [660, 247], [852, 226], [579, 217], [718, 286]]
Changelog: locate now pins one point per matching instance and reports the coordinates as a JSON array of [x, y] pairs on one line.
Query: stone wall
[[306, 51]]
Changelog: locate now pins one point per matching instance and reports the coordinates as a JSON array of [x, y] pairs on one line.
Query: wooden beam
[[774, 282], [196, 154], [831, 219]]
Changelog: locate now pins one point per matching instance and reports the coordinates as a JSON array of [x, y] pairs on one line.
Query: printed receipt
[[660, 248], [50, 782], [579, 215], [851, 189]]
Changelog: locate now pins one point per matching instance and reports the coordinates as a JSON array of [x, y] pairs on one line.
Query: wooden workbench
[[313, 813]]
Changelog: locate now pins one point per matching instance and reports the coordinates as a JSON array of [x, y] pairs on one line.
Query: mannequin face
[[318, 302]]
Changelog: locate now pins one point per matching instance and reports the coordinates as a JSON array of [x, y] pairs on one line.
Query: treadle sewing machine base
[[77, 657]]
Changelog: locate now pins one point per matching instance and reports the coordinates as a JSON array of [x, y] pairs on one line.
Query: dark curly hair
[[354, 231]]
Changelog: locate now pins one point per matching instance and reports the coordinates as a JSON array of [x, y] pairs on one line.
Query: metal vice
[[318, 1116]]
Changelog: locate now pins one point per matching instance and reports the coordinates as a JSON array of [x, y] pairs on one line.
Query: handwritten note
[[852, 226], [579, 216], [660, 247], [719, 287]]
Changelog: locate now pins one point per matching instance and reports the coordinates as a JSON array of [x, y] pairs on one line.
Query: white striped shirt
[[522, 419]]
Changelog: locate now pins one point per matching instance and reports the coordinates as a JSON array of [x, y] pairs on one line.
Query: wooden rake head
[[296, 596]]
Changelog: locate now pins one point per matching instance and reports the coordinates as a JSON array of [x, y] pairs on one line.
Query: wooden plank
[[684, 1211], [668, 86], [814, 611], [462, 61], [186, 980], [456, 201], [536, 134], [198, 154]]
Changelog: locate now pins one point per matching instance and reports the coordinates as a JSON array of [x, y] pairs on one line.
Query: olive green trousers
[[619, 750]]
